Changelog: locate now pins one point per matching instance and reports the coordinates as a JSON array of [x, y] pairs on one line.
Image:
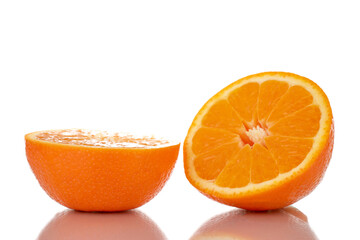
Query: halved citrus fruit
[[100, 171], [261, 143]]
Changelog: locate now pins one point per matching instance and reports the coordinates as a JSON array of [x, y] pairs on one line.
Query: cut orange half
[[263, 142], [100, 171]]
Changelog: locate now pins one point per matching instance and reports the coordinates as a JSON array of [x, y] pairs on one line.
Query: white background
[[148, 66]]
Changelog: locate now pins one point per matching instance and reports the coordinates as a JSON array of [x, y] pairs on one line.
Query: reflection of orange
[[72, 225], [283, 224], [100, 171], [261, 143]]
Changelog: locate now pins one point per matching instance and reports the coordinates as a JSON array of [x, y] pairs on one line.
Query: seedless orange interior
[[249, 125], [100, 138], [256, 133]]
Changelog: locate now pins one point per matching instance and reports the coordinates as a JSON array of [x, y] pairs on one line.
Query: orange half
[[263, 142], [100, 171]]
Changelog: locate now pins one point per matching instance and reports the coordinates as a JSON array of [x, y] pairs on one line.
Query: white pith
[[324, 129], [257, 135]]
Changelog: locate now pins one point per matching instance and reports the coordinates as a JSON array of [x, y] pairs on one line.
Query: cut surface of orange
[[261, 143], [100, 171]]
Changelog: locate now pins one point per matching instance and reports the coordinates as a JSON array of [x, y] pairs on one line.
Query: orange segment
[[304, 123], [289, 152], [100, 171], [206, 139], [293, 100], [244, 100], [221, 115], [264, 167], [209, 165], [236, 173], [269, 94], [254, 165], [256, 141]]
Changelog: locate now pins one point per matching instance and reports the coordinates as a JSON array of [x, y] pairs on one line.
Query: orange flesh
[[99, 139], [258, 132]]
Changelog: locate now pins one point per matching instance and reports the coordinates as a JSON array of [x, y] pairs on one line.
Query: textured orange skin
[[287, 192], [98, 178]]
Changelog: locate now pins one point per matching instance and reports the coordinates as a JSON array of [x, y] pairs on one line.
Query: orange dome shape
[[261, 143], [100, 171], [73, 225], [282, 224]]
